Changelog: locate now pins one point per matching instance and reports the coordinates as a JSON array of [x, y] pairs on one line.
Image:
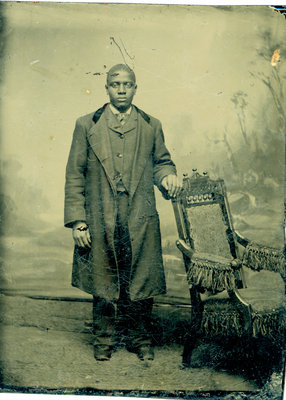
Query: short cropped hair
[[120, 67]]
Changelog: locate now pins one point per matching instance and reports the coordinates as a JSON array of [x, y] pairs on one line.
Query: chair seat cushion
[[221, 316], [264, 293]]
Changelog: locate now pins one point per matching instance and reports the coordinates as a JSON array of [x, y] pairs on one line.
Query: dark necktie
[[122, 117]]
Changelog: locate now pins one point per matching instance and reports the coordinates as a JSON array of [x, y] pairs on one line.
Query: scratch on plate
[[131, 57], [34, 62], [112, 40], [44, 71], [275, 58]]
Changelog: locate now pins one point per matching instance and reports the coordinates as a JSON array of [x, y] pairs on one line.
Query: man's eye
[[127, 85]]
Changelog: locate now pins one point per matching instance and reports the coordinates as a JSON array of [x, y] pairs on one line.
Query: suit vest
[[123, 144]]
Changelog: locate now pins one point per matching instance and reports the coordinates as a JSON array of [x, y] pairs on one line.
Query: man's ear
[[106, 88]]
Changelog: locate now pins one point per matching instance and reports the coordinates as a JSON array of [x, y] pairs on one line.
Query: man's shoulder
[[154, 121], [148, 118], [89, 119], [85, 119]]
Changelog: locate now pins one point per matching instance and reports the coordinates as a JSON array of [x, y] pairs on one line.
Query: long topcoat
[[90, 195]]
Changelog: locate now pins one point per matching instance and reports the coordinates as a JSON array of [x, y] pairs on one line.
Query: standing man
[[116, 157]]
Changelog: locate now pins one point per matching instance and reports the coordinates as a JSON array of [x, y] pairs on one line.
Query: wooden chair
[[222, 303]]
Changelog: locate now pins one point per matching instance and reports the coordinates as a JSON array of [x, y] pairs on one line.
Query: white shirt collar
[[115, 111]]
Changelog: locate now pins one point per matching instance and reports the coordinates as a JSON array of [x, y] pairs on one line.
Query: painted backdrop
[[204, 71]]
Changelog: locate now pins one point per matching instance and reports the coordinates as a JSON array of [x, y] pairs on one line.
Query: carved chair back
[[204, 223]]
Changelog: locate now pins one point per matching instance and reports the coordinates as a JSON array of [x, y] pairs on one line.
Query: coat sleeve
[[75, 177], [163, 164]]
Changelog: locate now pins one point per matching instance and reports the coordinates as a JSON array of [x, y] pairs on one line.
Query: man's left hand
[[172, 184]]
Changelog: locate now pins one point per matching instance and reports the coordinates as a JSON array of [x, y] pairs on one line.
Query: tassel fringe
[[230, 323], [260, 257], [222, 323], [211, 275], [271, 325]]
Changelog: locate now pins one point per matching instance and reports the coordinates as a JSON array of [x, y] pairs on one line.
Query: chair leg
[[195, 325]]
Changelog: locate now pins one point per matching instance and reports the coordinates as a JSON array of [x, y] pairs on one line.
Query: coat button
[[121, 136], [119, 155]]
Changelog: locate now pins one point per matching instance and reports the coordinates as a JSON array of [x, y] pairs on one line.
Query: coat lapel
[[131, 123], [99, 140], [144, 144], [111, 121]]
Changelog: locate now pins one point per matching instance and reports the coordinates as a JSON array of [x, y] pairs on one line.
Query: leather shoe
[[144, 352], [102, 352]]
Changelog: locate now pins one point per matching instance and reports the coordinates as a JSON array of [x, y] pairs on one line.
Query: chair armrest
[[241, 240], [241, 300], [184, 248]]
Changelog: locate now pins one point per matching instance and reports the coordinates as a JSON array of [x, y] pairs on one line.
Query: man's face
[[121, 89]]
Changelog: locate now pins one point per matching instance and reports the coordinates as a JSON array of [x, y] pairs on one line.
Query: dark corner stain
[[281, 9]]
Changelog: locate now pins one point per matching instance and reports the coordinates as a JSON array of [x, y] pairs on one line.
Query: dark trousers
[[124, 322]]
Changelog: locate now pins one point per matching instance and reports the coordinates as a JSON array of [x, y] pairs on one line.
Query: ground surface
[[46, 344]]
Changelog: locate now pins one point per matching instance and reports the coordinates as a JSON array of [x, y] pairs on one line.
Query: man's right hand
[[81, 235]]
